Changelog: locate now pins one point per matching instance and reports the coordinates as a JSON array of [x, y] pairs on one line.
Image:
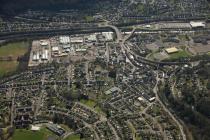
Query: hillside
[[12, 7]]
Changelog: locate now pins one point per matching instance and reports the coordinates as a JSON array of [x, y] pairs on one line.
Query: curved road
[[122, 44]]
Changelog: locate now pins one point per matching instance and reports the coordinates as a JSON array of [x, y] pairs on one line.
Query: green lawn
[[180, 54], [27, 135], [22, 134], [11, 49], [89, 18], [73, 137], [7, 66], [140, 8], [89, 103], [92, 104], [14, 49]]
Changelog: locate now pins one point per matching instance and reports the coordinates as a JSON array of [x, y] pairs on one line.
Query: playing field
[[7, 67], [14, 50], [22, 134], [27, 135], [73, 137], [180, 54]]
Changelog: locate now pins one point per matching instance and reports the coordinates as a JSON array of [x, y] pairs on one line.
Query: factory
[[58, 47]]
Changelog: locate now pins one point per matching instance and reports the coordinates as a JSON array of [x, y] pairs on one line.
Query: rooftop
[[197, 24], [171, 50]]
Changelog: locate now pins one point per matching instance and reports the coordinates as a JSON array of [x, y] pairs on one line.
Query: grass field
[[73, 137], [89, 103], [7, 66], [22, 134], [92, 104], [11, 49], [180, 54], [14, 49]]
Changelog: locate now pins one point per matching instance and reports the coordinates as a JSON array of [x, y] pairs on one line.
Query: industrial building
[[64, 39], [108, 36], [76, 40], [171, 50], [198, 24], [40, 52], [112, 90], [91, 38]]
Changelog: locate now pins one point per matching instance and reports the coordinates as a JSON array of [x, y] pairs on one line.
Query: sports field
[[15, 50], [180, 54], [73, 137], [7, 67], [23, 134]]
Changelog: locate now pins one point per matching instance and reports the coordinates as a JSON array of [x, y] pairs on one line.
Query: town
[[127, 73]]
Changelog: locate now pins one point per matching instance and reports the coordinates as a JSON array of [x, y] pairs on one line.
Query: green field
[[180, 54], [14, 49], [92, 104], [7, 66], [89, 18], [89, 103], [11, 49], [73, 137], [22, 134]]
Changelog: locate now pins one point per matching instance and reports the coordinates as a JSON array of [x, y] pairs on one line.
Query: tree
[[208, 85]]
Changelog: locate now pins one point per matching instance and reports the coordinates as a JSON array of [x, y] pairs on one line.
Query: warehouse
[[64, 39], [108, 36], [76, 40], [197, 24], [171, 50]]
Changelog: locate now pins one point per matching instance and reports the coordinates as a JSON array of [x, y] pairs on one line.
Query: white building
[[45, 55], [55, 49], [108, 36], [140, 99], [76, 40], [196, 24], [43, 43], [35, 128], [35, 56], [64, 39], [92, 38]]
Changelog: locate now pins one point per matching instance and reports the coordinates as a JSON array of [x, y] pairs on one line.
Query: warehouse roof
[[171, 50], [197, 24], [64, 39]]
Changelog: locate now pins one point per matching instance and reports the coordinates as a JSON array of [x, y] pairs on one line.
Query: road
[[107, 53], [113, 130], [12, 106], [155, 90], [39, 101]]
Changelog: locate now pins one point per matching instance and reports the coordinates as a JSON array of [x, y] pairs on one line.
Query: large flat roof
[[197, 24], [64, 39], [171, 50]]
